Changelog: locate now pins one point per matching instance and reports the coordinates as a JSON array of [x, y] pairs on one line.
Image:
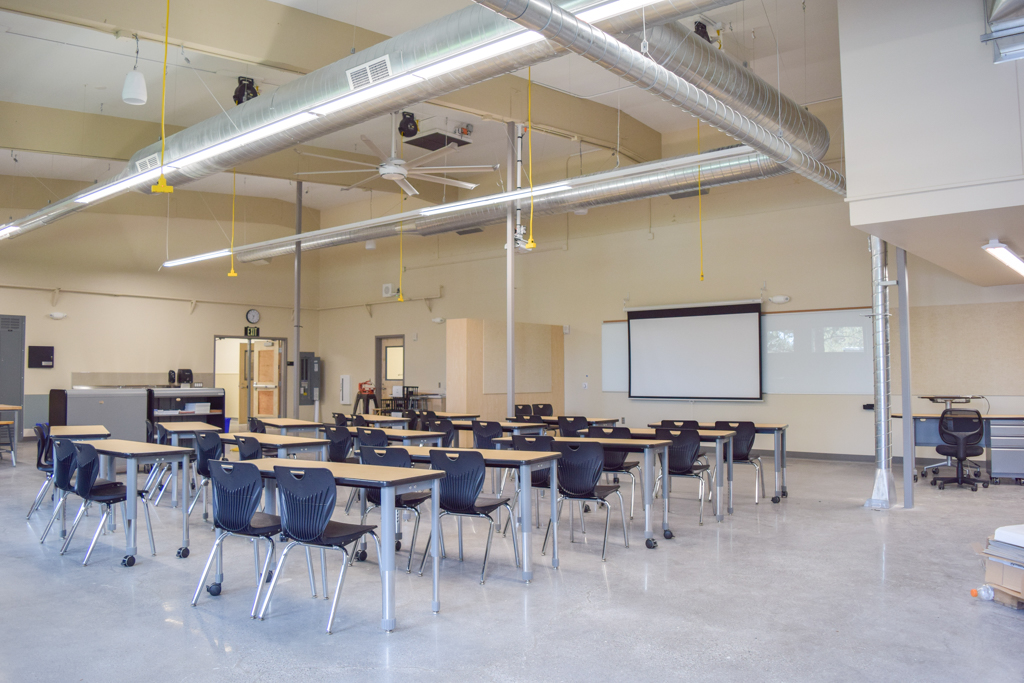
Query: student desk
[[649, 447], [377, 420], [1003, 436], [187, 429], [391, 481], [82, 433], [723, 442], [552, 420], [137, 453], [513, 427], [408, 437], [283, 443], [526, 462], [18, 427], [288, 424], [779, 432], [456, 416]]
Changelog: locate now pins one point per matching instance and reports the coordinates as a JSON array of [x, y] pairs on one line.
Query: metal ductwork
[[1005, 22], [692, 58], [883, 494], [565, 29], [470, 28], [641, 181]]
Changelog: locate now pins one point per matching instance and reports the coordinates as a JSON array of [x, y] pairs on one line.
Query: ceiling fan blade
[[409, 189], [436, 154], [454, 169], [374, 148], [351, 170], [345, 161], [361, 182], [442, 181]]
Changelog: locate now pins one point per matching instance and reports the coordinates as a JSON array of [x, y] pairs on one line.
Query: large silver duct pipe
[[467, 29], [883, 494], [689, 56], [642, 182], [565, 29]]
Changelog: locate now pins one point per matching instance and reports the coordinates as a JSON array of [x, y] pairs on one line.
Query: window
[[394, 363], [780, 341], [844, 339]]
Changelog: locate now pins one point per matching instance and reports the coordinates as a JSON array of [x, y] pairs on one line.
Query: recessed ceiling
[[399, 17]]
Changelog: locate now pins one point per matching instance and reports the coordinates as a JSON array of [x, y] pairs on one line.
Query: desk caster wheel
[[941, 486], [924, 474], [934, 482], [128, 561], [984, 484], [915, 478], [668, 533], [974, 488], [586, 508], [398, 546], [182, 553], [360, 555], [651, 543], [213, 589], [776, 499], [995, 481], [785, 494]]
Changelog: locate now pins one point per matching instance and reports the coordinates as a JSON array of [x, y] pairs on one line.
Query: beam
[[909, 452]]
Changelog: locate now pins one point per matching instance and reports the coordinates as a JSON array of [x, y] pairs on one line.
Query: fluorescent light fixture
[[362, 95], [1002, 252], [119, 186], [242, 140], [596, 14], [198, 257], [480, 54], [496, 199], [8, 231]]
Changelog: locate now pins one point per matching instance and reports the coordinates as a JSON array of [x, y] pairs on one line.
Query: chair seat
[[103, 483], [411, 500], [263, 524], [696, 469], [601, 491], [109, 492], [950, 451], [485, 506], [626, 466], [340, 533]]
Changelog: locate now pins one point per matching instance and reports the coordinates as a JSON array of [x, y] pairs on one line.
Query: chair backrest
[[162, 435], [445, 427], [150, 432], [391, 456], [44, 447], [543, 409], [571, 426], [340, 420], [208, 447], [341, 443], [579, 468], [359, 421], [87, 465], [64, 464], [484, 434], [237, 487], [528, 419], [613, 459], [684, 449], [680, 424], [371, 437], [307, 499], [428, 414], [523, 409], [248, 448], [463, 480], [958, 426], [744, 439], [523, 442], [414, 419]]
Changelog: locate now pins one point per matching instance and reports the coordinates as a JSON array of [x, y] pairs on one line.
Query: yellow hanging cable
[[161, 185], [232, 273], [530, 244], [700, 210]]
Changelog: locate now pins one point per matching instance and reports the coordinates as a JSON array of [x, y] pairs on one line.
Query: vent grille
[[150, 162], [9, 322], [369, 73]]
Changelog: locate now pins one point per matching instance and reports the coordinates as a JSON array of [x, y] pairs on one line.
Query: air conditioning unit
[[436, 138]]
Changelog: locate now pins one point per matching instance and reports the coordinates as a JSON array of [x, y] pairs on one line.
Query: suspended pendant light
[[134, 91]]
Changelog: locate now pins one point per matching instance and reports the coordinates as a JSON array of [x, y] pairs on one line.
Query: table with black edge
[[406, 437], [187, 430], [137, 453], [508, 427], [288, 425], [552, 420], [723, 450], [778, 431], [392, 481], [284, 444], [650, 448], [376, 420], [525, 462]]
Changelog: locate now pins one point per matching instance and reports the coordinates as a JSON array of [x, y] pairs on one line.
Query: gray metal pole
[[909, 452], [883, 495], [298, 299], [510, 278]]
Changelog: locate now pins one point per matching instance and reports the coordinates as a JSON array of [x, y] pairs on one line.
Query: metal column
[[883, 495], [510, 278], [909, 453], [298, 299]]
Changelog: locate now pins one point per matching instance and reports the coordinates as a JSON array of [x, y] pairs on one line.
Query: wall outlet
[[565, 329], [584, 385]]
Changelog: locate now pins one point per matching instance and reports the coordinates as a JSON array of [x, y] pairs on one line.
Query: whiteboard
[[696, 352], [614, 352], [818, 352]]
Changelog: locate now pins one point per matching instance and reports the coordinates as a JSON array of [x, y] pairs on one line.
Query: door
[[244, 381], [390, 365], [266, 374], [251, 372]]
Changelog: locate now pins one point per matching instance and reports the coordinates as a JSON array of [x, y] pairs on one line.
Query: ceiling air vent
[[369, 73], [152, 161]]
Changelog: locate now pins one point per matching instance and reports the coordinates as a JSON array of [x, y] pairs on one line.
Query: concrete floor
[[814, 589]]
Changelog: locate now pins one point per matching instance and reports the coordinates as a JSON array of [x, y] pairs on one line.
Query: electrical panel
[[309, 378]]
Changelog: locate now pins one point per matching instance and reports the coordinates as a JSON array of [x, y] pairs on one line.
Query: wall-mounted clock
[[253, 316]]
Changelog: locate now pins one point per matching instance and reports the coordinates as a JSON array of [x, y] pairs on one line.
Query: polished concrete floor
[[816, 588]]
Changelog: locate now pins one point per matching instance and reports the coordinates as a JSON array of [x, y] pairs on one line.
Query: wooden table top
[[130, 449], [618, 444], [705, 434], [457, 416], [400, 434], [4, 406], [276, 440], [280, 422], [983, 417], [384, 418], [505, 426], [351, 474], [492, 457], [189, 426], [553, 419], [79, 431], [773, 426]]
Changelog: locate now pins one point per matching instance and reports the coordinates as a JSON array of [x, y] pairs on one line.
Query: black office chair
[[107, 493], [375, 438], [615, 461], [307, 500], [44, 463], [523, 409], [445, 427], [208, 447], [742, 444], [151, 432], [249, 447], [527, 419], [579, 471], [682, 461], [460, 497], [359, 421], [340, 420], [570, 427], [539, 479], [484, 434], [63, 470], [341, 444], [394, 457], [237, 488], [414, 419], [962, 431], [543, 409]]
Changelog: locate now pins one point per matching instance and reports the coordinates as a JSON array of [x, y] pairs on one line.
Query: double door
[[253, 373]]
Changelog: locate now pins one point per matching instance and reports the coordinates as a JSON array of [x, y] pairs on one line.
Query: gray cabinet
[[12, 368], [1007, 443]]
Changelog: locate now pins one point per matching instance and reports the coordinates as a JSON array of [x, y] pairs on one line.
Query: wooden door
[[266, 373], [244, 384]]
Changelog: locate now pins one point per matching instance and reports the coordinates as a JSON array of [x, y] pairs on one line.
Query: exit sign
[[252, 331]]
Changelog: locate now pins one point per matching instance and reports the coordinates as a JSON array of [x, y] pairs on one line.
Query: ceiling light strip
[[1000, 251]]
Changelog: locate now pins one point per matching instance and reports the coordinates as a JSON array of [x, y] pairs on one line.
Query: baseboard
[[846, 457]]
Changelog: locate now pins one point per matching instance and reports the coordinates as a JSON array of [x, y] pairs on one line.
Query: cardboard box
[[999, 572]]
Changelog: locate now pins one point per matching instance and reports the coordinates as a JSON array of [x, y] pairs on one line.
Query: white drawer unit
[[1007, 443]]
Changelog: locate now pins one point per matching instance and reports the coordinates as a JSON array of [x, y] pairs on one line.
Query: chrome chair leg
[[700, 489], [277, 576], [459, 521], [41, 495], [206, 568], [99, 530], [625, 528], [57, 509], [412, 546], [337, 587], [74, 526], [149, 524], [487, 550], [323, 571], [309, 566], [262, 578], [607, 520], [547, 533], [515, 543]]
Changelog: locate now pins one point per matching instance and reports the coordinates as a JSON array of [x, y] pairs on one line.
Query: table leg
[[131, 508], [183, 550], [729, 456], [554, 513], [525, 521], [664, 477], [270, 495], [174, 478], [323, 453], [785, 493], [719, 471], [387, 558], [778, 467], [435, 543], [648, 477]]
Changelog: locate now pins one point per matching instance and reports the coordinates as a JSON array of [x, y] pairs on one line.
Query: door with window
[[390, 366], [251, 372]]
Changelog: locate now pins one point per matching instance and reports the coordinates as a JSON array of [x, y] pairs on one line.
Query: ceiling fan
[[400, 171]]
